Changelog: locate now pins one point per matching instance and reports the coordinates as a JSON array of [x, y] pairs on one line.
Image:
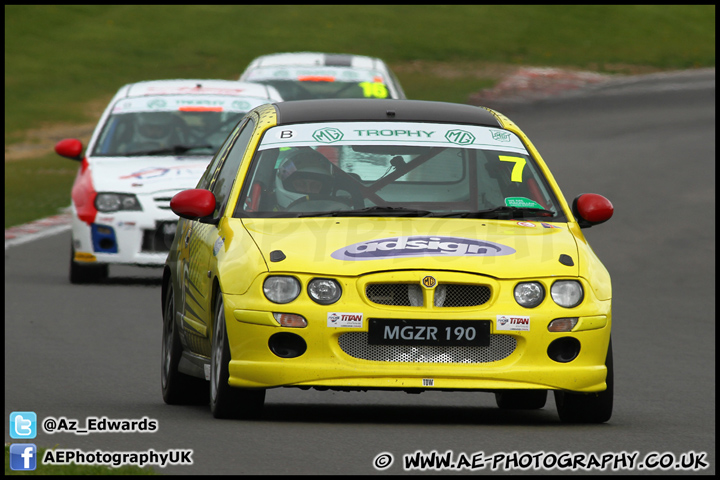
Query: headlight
[[567, 293], [324, 291], [281, 289], [529, 294], [113, 202]]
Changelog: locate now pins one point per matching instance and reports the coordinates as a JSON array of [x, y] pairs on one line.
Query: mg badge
[[429, 282]]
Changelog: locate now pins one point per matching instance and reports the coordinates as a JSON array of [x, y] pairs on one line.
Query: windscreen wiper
[[372, 212], [502, 213], [174, 150]]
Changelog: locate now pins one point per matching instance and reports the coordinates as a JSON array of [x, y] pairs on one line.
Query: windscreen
[[167, 125], [348, 169], [296, 83]]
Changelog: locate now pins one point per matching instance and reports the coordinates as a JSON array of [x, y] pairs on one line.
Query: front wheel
[[177, 388], [86, 273], [589, 407], [226, 401]]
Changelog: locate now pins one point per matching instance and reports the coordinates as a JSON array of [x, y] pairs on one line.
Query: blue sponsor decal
[[421, 246], [218, 245]]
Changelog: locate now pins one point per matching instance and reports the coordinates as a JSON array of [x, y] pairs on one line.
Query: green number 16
[[374, 89]]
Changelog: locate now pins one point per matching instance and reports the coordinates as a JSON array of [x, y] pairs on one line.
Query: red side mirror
[[69, 148], [193, 204], [592, 209]]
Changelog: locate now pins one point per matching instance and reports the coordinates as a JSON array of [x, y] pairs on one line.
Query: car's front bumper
[[341, 358], [124, 238]]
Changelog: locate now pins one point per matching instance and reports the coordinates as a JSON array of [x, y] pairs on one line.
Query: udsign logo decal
[[421, 246]]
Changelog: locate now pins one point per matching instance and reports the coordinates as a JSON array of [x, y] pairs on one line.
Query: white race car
[[154, 139], [311, 75]]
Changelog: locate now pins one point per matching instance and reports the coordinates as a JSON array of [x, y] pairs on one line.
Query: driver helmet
[[304, 173], [155, 127]]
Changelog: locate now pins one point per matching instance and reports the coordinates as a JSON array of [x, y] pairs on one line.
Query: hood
[[149, 174], [355, 246]]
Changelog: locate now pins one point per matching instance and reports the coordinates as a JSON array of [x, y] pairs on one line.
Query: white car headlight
[[529, 294], [324, 291], [281, 289], [567, 293], [113, 202]]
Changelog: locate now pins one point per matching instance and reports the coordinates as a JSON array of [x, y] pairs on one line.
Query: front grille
[[163, 203], [356, 345], [462, 295], [410, 294], [397, 294], [160, 239]]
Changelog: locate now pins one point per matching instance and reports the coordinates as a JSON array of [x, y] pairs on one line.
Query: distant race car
[[385, 244], [154, 139], [312, 75]]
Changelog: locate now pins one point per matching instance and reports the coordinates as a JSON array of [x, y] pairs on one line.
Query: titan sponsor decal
[[127, 225], [526, 224], [513, 323], [344, 320], [421, 246]]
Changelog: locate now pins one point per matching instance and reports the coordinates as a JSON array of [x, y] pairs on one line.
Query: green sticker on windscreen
[[522, 202]]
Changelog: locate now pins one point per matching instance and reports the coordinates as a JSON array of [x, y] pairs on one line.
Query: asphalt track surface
[[647, 143]]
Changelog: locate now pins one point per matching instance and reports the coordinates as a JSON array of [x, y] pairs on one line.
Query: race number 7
[[517, 170]]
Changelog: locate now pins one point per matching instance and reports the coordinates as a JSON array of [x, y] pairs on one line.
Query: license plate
[[385, 331]]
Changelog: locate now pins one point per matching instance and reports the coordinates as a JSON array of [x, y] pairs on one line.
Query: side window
[[214, 164], [223, 182]]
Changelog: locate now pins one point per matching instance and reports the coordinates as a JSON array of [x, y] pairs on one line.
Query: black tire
[[227, 401], [81, 273], [521, 399], [177, 388], [590, 407]]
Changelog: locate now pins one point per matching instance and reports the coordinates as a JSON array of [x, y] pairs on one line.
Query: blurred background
[[64, 63]]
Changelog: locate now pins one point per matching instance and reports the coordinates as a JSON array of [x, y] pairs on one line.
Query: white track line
[[36, 230]]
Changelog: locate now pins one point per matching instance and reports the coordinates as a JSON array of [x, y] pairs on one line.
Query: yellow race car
[[354, 244]]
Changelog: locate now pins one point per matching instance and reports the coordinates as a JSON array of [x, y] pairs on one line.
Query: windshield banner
[[338, 74], [173, 103], [392, 133]]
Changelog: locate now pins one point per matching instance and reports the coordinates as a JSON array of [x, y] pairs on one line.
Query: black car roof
[[374, 110]]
